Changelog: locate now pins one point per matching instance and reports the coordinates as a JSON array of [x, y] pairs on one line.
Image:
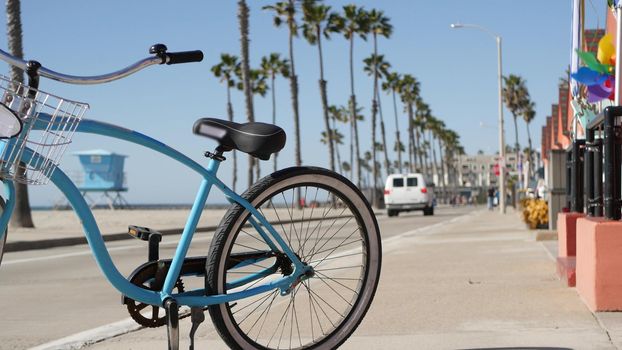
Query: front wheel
[[326, 221]]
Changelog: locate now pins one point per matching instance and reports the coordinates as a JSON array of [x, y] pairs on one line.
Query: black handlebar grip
[[184, 57]]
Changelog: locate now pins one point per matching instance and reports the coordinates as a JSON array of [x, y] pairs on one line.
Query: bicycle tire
[[231, 227]]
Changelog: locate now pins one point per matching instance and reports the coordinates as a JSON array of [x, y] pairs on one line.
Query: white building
[[479, 170]]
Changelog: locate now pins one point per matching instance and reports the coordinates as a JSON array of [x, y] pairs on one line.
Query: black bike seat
[[257, 139]]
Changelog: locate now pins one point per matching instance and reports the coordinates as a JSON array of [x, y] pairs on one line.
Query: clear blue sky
[[456, 68]]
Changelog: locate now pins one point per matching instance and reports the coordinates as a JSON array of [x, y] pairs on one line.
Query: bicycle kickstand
[[197, 316], [172, 323]]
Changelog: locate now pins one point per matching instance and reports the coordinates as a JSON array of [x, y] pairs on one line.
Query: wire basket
[[49, 123]]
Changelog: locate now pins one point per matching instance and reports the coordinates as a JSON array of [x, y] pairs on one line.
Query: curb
[[19, 246]]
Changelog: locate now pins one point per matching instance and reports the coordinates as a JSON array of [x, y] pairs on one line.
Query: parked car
[[408, 192]]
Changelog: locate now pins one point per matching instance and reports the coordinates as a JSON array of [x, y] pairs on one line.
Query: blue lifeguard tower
[[103, 174]]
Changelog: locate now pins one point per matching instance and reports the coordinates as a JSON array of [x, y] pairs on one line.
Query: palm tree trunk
[[530, 172], [440, 151], [324, 97], [412, 158], [434, 163], [516, 144], [339, 165], [243, 15], [397, 134], [22, 216], [357, 152], [293, 80], [374, 111], [418, 147], [387, 163], [293, 85], [351, 149], [425, 153], [374, 170], [234, 179], [273, 115]]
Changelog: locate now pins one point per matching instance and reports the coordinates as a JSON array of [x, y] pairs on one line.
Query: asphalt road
[[53, 293]]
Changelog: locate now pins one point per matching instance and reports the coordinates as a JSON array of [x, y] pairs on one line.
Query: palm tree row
[[317, 22], [518, 101]]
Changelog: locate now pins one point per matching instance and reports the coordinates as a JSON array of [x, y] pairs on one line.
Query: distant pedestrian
[[491, 198]]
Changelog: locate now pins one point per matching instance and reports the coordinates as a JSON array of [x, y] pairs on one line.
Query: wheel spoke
[[250, 313], [338, 245], [266, 312], [335, 280], [329, 239]]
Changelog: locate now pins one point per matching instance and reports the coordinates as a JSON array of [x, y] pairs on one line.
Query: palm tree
[[379, 25], [338, 114], [423, 110], [452, 148], [409, 93], [258, 87], [285, 13], [243, 15], [529, 113], [353, 23], [392, 84], [22, 216], [375, 65], [439, 130], [272, 66], [318, 22], [398, 146], [226, 70], [515, 94]]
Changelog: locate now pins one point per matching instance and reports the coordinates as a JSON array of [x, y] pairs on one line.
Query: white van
[[408, 192]]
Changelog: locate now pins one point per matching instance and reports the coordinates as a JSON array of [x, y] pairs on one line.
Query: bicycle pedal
[[146, 234], [142, 233]]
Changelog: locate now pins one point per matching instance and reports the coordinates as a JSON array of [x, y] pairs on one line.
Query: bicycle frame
[[96, 243]]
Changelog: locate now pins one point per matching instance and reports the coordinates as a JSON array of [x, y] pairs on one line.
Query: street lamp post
[[501, 132]]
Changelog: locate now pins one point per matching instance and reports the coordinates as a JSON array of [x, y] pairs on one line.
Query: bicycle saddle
[[257, 139]]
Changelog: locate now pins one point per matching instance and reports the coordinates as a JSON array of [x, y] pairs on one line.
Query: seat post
[[216, 155], [216, 158]]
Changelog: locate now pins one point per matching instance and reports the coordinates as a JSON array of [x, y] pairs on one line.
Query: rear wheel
[[392, 212], [335, 232]]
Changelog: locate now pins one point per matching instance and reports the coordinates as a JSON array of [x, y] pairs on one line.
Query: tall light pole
[[501, 132]]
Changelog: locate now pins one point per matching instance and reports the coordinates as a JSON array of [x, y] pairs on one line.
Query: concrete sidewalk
[[480, 281]]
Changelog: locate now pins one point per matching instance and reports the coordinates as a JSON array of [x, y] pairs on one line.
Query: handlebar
[[159, 50]]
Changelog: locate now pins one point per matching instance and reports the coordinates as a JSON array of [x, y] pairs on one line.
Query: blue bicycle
[[294, 263]]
